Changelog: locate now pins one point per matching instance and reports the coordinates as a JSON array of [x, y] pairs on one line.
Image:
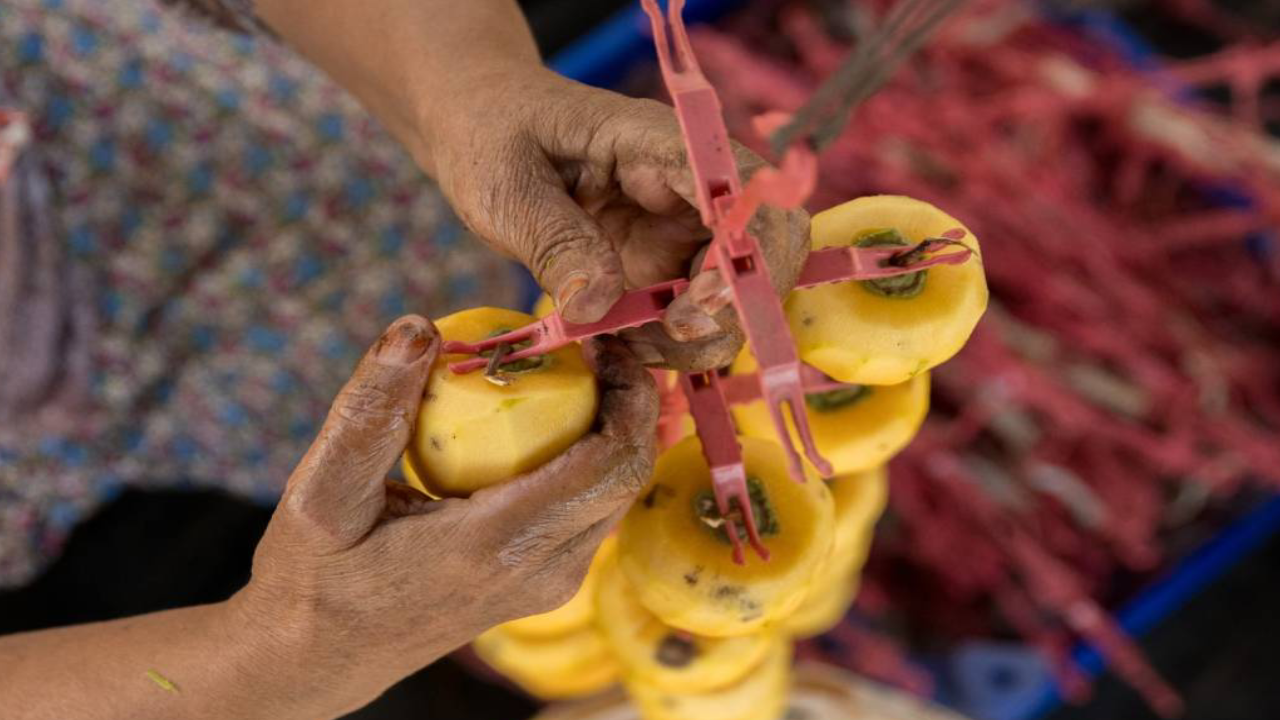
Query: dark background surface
[[150, 551]]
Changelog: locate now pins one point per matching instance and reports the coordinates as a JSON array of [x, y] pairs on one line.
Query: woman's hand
[[358, 582], [360, 576], [588, 188], [591, 190]]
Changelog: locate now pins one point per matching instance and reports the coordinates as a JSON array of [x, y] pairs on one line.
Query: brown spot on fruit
[[649, 498], [676, 651], [724, 592], [436, 444], [691, 578]]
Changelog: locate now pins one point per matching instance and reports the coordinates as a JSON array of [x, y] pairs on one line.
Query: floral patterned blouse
[[197, 243]]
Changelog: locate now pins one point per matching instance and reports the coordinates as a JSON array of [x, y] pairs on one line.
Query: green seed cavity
[[900, 287], [537, 362], [708, 513], [840, 399]]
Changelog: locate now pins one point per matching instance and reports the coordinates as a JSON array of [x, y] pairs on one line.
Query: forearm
[[198, 662], [412, 63]]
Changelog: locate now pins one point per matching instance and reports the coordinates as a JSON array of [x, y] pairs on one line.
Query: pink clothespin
[[839, 264], [726, 210]]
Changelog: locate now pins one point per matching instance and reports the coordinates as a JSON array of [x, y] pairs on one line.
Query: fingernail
[[570, 288], [404, 343], [694, 327], [714, 301]]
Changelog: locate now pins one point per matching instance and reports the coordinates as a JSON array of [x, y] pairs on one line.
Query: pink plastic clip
[[838, 264], [633, 309], [745, 388], [638, 307], [727, 207], [734, 251], [710, 411]]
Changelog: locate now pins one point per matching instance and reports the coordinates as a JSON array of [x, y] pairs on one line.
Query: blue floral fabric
[[228, 231]]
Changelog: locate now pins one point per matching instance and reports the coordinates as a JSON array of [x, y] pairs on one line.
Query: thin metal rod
[[905, 29]]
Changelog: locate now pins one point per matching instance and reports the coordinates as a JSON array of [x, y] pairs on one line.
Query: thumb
[[564, 247], [338, 487]]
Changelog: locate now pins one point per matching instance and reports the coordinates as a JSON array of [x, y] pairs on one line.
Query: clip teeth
[[734, 504]]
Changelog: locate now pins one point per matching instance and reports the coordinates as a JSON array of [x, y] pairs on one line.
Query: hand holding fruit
[[358, 582], [591, 190]]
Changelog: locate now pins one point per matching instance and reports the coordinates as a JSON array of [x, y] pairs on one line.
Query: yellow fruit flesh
[[576, 614], [651, 652], [760, 695], [544, 307], [825, 605], [411, 476], [472, 433], [855, 437], [566, 666], [857, 336], [683, 570], [859, 500]]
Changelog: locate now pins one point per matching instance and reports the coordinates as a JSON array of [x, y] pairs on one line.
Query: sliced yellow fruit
[[411, 477], [544, 307], [564, 666], [576, 614], [859, 499], [888, 331], [473, 432], [650, 651], [761, 694], [674, 549], [825, 605], [855, 429]]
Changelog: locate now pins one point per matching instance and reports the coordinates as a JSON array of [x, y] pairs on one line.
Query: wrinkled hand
[[368, 581], [592, 192]]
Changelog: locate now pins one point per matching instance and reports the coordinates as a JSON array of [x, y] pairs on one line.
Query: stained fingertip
[[585, 298], [685, 322], [702, 355], [710, 293], [406, 341]]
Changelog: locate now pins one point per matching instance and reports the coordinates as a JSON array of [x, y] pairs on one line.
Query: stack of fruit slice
[[665, 610]]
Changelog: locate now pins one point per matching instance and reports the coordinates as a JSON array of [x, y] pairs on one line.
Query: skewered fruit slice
[[656, 654], [825, 606], [559, 667], [674, 549], [576, 614], [859, 501], [761, 694], [855, 429], [474, 432], [884, 332]]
